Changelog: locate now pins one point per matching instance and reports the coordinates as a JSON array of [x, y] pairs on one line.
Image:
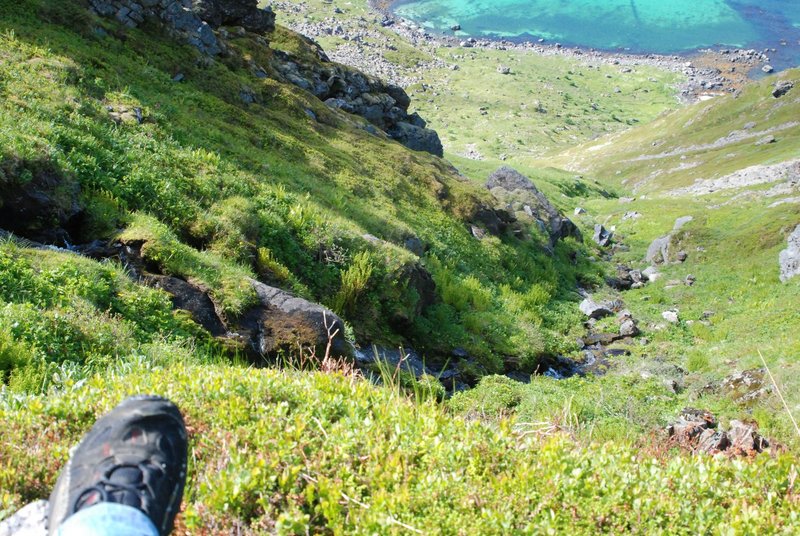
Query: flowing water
[[639, 26]]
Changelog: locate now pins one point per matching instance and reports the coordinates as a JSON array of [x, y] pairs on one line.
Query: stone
[[651, 273], [578, 211], [189, 297], [671, 316], [660, 249], [508, 185], [768, 68], [595, 310], [30, 520], [782, 88], [690, 280], [414, 245], [766, 140], [789, 258], [681, 256], [244, 13], [744, 439], [417, 138], [746, 387], [503, 69], [712, 441], [283, 322], [631, 216], [601, 236], [628, 328], [624, 279], [602, 339]]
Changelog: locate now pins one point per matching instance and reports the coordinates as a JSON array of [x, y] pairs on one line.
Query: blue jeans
[[108, 519]]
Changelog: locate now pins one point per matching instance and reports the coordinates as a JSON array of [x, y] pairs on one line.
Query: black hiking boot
[[134, 455]]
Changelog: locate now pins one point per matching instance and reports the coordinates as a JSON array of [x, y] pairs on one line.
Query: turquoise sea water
[[658, 26]]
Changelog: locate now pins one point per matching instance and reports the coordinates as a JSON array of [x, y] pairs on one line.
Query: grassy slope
[[296, 453], [673, 151], [277, 450], [266, 190], [739, 239]]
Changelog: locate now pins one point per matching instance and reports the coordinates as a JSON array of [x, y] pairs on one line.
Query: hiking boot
[[134, 455]]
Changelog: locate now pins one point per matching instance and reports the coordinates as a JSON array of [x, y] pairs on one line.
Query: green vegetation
[[291, 452], [285, 190], [220, 190]]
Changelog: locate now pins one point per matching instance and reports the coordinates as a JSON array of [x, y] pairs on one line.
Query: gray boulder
[[595, 310], [510, 186], [789, 258], [416, 138], [282, 322], [782, 88], [660, 250], [602, 237]]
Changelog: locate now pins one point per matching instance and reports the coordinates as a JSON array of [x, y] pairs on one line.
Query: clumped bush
[[354, 282]]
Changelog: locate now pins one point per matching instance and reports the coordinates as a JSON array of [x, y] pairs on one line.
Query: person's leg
[[128, 470], [108, 518]]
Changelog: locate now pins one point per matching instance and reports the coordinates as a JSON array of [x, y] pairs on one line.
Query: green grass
[[222, 190], [289, 452], [219, 191], [676, 149]]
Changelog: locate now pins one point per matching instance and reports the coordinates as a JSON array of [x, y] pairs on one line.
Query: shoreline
[[709, 72]]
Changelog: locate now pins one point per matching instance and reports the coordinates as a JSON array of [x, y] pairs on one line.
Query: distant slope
[[707, 140]]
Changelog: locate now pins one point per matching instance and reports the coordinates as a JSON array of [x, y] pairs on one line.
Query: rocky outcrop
[[660, 250], [191, 20], [524, 200], [283, 323], [39, 203], [279, 322], [789, 258], [698, 431], [244, 13], [383, 105]]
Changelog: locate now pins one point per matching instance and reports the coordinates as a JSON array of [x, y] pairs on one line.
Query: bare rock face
[[515, 189], [790, 257], [341, 87], [191, 20], [244, 13]]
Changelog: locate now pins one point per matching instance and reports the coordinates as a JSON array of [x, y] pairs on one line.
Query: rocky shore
[[707, 73]]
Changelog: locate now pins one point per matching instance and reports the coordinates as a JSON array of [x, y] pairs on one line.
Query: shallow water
[[642, 26]]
